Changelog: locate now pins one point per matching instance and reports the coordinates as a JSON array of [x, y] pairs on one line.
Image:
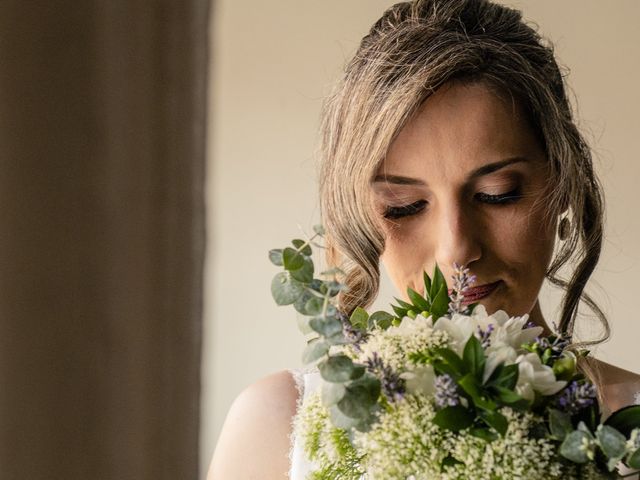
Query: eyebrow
[[479, 172]]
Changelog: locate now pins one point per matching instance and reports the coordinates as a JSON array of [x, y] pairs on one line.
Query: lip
[[474, 294]]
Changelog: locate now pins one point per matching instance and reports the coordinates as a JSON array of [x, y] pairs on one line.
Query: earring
[[563, 228]]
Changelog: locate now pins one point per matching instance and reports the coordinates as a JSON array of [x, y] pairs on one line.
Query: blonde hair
[[410, 52]]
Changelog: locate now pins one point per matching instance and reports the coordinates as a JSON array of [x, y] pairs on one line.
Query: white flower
[[534, 376], [420, 380], [503, 355]]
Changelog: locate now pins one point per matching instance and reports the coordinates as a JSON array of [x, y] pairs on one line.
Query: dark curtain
[[102, 166]]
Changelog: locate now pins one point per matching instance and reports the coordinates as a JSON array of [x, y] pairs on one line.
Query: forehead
[[461, 126]]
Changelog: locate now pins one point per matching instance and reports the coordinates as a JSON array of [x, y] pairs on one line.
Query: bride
[[449, 139]]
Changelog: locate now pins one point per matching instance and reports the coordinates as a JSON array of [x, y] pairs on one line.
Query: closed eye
[[502, 199], [394, 213]]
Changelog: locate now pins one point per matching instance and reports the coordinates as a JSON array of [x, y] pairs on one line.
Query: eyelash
[[394, 213]]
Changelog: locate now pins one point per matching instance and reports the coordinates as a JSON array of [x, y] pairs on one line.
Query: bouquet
[[442, 390]]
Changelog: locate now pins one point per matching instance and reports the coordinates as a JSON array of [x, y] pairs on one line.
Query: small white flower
[[534, 376], [420, 380]]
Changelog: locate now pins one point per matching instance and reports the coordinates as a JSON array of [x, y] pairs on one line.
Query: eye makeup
[[393, 213]]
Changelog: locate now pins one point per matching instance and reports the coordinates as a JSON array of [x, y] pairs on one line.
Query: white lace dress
[[308, 381]]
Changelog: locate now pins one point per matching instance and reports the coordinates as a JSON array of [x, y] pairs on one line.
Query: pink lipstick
[[474, 294]]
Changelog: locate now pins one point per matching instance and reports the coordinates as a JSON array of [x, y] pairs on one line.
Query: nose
[[457, 237]]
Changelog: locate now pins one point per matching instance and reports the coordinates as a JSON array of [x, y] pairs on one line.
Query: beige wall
[[272, 63]]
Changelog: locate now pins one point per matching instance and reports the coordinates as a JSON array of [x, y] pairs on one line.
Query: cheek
[[526, 243], [407, 252]]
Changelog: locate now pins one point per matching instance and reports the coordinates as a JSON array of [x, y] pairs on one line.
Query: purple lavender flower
[[353, 335], [446, 391], [485, 335], [462, 280], [393, 387], [577, 396]]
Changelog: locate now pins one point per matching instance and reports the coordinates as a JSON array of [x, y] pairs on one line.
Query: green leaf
[[326, 326], [611, 441], [452, 360], [332, 393], [495, 420], [314, 305], [339, 369], [359, 318], [440, 305], [299, 243], [403, 304], [473, 357], [340, 420], [559, 424], [471, 385], [427, 284], [449, 461], [453, 418], [506, 395], [285, 290], [319, 229], [292, 259], [572, 448], [301, 302], [484, 433], [417, 299], [380, 319], [315, 350], [625, 419], [437, 283], [303, 324], [275, 255], [304, 274], [634, 460], [361, 395], [504, 376]]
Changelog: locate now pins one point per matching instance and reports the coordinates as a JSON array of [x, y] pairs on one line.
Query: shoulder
[[255, 439]]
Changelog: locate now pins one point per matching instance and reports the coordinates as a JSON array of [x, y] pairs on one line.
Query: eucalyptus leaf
[[303, 324], [300, 245], [292, 259], [359, 318], [315, 350], [304, 274], [339, 369], [611, 441], [559, 424], [275, 255], [340, 420], [453, 418], [314, 305], [301, 302], [332, 393], [319, 229], [572, 446], [285, 290], [361, 395], [326, 326]]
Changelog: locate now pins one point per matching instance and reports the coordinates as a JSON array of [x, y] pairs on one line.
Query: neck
[[536, 317]]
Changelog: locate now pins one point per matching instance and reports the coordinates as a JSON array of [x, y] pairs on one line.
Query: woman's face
[[465, 181]]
